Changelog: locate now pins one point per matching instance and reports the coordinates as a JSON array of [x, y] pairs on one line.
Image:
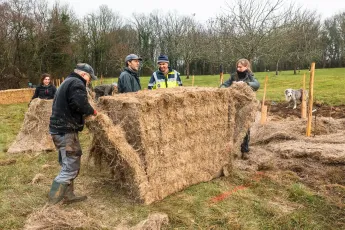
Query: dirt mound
[[277, 129], [281, 144], [34, 134], [159, 142]]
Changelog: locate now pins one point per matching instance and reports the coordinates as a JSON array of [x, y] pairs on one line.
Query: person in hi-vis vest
[[165, 76]]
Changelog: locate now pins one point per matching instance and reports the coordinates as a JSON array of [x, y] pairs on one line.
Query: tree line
[[272, 34]]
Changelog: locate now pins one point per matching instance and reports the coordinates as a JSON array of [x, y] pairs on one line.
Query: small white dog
[[294, 95]]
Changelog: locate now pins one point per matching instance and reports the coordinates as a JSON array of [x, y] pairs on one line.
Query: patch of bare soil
[[321, 110], [281, 145]]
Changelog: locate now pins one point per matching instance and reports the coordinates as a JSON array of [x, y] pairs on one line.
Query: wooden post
[[101, 79], [221, 74], [304, 102], [263, 106], [221, 78], [310, 102], [63, 79], [59, 80], [193, 80]]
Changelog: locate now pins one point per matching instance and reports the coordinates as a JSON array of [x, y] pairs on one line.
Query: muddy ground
[[281, 145], [321, 110]]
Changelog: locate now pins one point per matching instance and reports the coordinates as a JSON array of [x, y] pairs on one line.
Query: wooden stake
[[310, 102], [263, 106], [193, 80], [221, 76], [63, 79], [101, 79], [59, 81], [304, 102]]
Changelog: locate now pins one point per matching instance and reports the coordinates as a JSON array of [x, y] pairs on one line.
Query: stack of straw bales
[[34, 134], [160, 142], [13, 96]]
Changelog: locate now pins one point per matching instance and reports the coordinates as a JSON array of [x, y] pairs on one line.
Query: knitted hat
[[163, 58]]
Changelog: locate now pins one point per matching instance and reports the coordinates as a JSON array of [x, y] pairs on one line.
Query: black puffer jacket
[[70, 105], [44, 92]]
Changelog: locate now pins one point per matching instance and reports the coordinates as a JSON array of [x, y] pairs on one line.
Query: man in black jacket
[[70, 106], [129, 79]]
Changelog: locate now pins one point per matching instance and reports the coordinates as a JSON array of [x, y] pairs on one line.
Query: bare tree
[[253, 22]]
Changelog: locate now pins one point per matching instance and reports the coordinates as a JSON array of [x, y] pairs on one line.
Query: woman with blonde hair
[[243, 74]]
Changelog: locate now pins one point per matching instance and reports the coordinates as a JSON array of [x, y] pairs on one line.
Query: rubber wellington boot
[[57, 192], [70, 197]]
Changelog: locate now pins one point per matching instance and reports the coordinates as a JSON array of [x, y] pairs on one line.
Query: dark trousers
[[245, 143], [69, 156]]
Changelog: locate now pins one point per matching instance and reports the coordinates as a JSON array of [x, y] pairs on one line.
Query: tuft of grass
[[12, 117]]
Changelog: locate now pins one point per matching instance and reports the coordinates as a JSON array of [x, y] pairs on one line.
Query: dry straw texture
[[58, 217], [14, 96], [34, 134], [54, 217], [160, 142]]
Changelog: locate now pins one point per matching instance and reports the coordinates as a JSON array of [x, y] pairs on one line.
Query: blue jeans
[[69, 156]]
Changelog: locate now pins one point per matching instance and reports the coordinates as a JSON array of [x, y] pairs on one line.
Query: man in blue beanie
[[165, 76]]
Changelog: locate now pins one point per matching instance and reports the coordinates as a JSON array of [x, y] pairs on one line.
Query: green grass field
[[328, 84], [277, 200]]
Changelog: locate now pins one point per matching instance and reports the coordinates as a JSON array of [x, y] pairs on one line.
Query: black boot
[[57, 192], [70, 197]]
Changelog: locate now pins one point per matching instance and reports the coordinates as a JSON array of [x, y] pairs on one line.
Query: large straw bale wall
[[176, 137], [13, 96], [34, 134]]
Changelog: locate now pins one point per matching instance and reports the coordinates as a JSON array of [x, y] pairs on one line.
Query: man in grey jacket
[[129, 79]]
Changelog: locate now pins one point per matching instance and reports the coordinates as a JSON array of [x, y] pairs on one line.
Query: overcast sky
[[203, 9]]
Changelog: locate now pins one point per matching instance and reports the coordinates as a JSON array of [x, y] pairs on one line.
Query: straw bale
[[34, 133], [14, 96], [160, 142]]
